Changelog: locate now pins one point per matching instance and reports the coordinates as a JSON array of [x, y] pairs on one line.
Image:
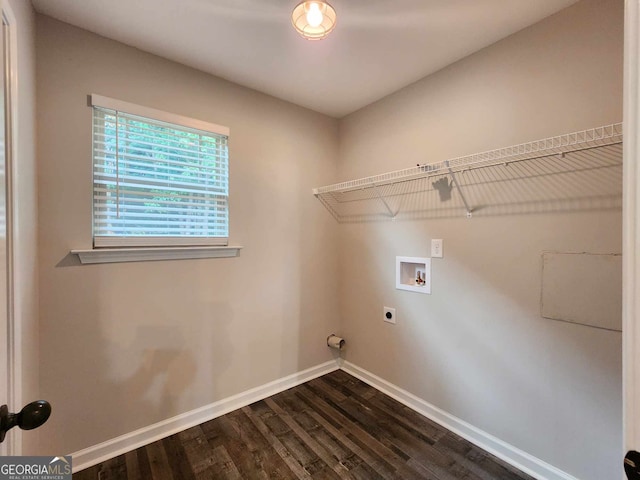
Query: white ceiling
[[378, 46]]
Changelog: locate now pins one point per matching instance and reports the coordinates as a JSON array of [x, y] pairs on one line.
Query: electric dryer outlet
[[390, 315]]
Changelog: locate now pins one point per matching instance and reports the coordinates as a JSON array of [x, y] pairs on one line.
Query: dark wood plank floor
[[332, 427]]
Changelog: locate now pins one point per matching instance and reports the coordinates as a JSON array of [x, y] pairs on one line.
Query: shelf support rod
[[455, 182], [381, 197]]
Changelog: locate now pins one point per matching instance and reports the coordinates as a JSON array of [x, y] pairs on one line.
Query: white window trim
[[154, 253], [141, 111], [143, 254]]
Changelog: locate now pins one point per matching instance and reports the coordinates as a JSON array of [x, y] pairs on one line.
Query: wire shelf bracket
[[457, 185], [384, 202]]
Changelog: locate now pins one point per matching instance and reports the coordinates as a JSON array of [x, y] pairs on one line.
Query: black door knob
[[31, 416], [632, 465]]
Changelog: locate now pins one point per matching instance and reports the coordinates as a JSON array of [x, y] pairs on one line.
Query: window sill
[[117, 255]]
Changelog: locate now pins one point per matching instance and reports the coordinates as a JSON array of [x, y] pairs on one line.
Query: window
[[159, 179]]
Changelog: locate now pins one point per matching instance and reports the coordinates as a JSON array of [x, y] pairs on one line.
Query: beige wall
[[127, 345], [25, 207], [478, 346]]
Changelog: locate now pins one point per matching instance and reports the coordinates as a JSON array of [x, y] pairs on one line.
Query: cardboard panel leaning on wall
[[477, 347], [128, 345]]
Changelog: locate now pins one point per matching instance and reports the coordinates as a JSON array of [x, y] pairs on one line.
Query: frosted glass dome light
[[314, 20]]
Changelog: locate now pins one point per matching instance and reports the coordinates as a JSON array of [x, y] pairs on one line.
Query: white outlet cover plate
[[436, 248], [393, 315]]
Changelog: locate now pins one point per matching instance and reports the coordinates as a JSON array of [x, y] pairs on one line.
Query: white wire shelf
[[576, 171]]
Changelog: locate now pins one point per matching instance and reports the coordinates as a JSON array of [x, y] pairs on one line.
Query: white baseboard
[[117, 446], [513, 456]]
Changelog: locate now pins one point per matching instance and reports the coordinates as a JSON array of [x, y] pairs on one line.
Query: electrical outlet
[[389, 315], [436, 248]]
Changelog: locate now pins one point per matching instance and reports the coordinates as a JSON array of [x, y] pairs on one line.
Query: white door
[[4, 323], [631, 227], [7, 385]]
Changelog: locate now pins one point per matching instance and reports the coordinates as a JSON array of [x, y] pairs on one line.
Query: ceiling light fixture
[[314, 20]]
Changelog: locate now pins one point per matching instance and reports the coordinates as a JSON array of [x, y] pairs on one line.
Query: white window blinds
[[157, 183]]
